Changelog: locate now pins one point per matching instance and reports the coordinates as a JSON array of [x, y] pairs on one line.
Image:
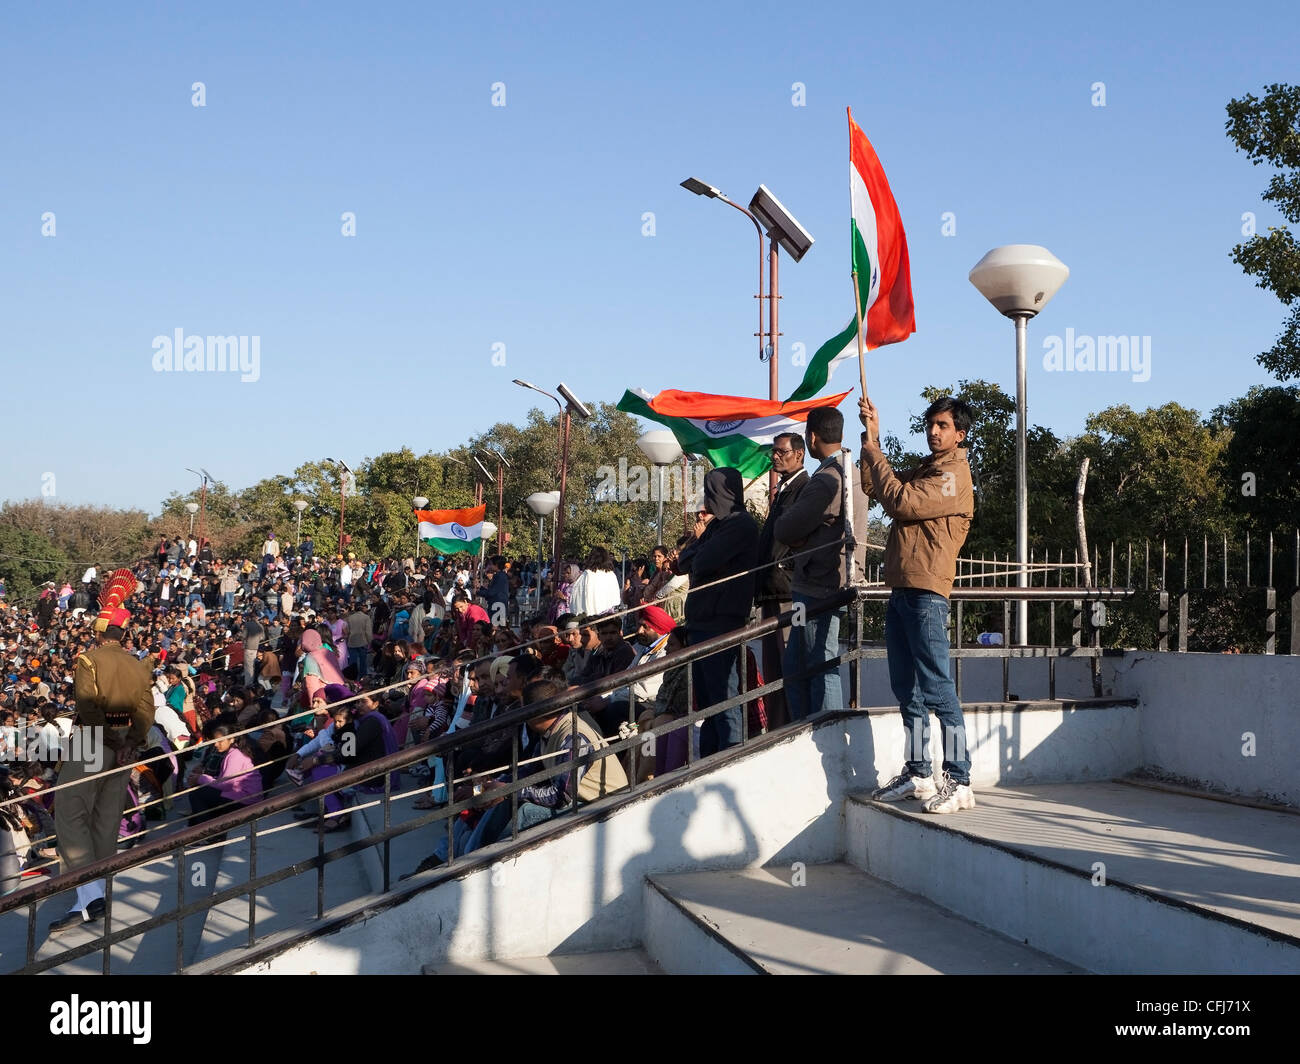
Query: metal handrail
[[447, 745]]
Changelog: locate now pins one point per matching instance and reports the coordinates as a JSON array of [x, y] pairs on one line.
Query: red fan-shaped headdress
[[121, 583]]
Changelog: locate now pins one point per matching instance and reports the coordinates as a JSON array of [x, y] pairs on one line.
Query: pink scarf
[[311, 643]]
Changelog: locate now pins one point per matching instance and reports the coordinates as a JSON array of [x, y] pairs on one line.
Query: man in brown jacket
[[931, 508]]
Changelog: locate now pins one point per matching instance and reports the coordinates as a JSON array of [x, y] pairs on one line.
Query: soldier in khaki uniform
[[114, 714]]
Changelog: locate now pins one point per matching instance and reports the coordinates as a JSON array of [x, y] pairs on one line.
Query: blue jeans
[[492, 826], [807, 646], [228, 601], [361, 656], [717, 679], [916, 636]]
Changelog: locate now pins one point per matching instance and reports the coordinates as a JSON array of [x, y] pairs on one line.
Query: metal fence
[[1079, 638]]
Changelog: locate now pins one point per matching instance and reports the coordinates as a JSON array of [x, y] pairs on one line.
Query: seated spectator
[[670, 704], [235, 783], [320, 759], [549, 647], [555, 738], [613, 654], [612, 709], [581, 642], [270, 747]]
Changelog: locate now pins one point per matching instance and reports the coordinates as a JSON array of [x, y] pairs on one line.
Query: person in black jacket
[[726, 545], [772, 584], [814, 528]]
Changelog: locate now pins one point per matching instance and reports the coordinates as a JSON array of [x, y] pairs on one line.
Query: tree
[[592, 519], [1268, 131], [1259, 463], [27, 559], [1154, 473]]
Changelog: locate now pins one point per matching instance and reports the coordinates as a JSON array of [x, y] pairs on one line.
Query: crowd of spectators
[[283, 666]]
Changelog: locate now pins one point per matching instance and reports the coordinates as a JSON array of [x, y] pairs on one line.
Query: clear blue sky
[[522, 225]]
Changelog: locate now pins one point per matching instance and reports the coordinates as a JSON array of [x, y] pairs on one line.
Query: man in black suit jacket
[[772, 587]]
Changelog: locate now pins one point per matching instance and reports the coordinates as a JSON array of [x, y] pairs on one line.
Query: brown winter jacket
[[931, 507]]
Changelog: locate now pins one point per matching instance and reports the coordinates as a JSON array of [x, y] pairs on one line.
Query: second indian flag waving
[[453, 531], [879, 248]]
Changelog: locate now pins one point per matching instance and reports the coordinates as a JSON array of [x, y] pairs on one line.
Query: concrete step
[[281, 841], [139, 894], [1108, 876], [612, 962], [826, 919]]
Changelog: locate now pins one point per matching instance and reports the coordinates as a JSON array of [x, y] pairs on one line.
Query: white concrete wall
[[583, 891], [1196, 708], [1007, 747]]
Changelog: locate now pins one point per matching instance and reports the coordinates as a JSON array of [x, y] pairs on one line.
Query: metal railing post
[[388, 823], [180, 904], [108, 924], [1162, 623], [1270, 620], [252, 877], [1295, 621]]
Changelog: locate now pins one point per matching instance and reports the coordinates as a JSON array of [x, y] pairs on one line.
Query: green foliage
[[1260, 462], [1268, 131], [27, 559], [1154, 473]]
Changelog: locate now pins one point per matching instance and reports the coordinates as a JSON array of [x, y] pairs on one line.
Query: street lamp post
[[299, 505], [344, 477], [662, 448], [204, 476], [420, 503], [543, 504], [1020, 280], [783, 231], [502, 465], [571, 406]]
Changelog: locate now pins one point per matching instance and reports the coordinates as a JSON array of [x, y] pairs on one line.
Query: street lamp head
[[1019, 279], [660, 446], [576, 406], [299, 505], [420, 502], [543, 503], [524, 384], [489, 530], [694, 184], [780, 223], [192, 507]]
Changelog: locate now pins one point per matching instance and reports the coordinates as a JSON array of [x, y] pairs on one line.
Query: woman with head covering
[[318, 666]]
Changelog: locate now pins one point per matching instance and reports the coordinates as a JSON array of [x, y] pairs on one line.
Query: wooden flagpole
[[857, 310], [857, 300]]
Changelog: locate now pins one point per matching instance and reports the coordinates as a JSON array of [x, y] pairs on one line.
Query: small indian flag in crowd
[[453, 531]]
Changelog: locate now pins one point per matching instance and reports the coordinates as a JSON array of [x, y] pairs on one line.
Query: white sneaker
[[905, 785], [951, 797]]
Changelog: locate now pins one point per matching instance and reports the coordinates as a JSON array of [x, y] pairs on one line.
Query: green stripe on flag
[[738, 451], [455, 546], [819, 368]]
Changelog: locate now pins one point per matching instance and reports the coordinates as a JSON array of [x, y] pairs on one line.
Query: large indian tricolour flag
[[879, 249], [727, 429], [453, 531]]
